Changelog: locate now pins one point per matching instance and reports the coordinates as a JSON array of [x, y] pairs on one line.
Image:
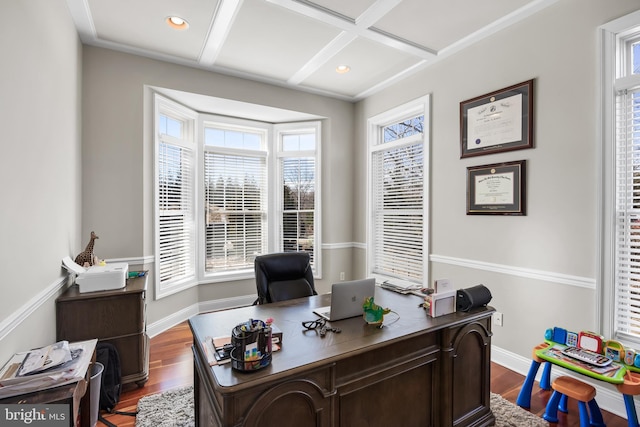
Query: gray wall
[[541, 268], [118, 149], [40, 80]]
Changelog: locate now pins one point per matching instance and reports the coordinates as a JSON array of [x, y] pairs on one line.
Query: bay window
[[229, 189]]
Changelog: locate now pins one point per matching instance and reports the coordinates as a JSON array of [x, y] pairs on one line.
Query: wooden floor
[[171, 366]]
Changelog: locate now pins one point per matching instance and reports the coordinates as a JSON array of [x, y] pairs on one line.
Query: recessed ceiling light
[[341, 69], [177, 23]]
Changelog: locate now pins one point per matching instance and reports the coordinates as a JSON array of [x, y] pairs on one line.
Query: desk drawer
[[414, 351]]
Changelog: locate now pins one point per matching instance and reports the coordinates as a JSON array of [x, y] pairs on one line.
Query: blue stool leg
[[632, 417], [551, 413], [596, 415], [524, 397], [584, 414], [545, 380], [562, 406]]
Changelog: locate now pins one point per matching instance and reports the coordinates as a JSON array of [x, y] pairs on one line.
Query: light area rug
[[174, 408], [509, 415], [171, 408]]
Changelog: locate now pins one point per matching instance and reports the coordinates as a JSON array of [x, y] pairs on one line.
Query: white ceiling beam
[[223, 18], [392, 80], [496, 26], [362, 25], [376, 12], [320, 58]]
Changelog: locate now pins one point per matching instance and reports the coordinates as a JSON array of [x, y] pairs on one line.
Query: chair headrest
[[284, 266]]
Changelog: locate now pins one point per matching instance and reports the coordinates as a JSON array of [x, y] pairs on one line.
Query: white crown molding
[[81, 14], [341, 245], [547, 276], [17, 317]]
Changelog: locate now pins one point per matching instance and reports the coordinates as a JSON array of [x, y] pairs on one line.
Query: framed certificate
[[497, 189], [498, 121]]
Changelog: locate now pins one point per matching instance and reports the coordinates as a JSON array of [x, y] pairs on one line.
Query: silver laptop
[[347, 299]]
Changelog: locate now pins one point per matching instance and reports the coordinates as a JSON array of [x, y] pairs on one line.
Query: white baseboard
[[607, 396], [156, 328], [168, 322]]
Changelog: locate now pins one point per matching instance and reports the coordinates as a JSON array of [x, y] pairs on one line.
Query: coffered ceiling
[[299, 43]]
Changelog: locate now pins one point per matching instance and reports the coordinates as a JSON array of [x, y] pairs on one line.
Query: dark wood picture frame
[[498, 121], [497, 189]]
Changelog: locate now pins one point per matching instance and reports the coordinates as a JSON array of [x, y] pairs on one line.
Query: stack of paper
[[401, 288], [47, 367], [42, 359]]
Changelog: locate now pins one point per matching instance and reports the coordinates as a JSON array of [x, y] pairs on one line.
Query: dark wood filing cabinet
[[115, 316]]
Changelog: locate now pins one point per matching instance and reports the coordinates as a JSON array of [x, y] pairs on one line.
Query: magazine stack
[[47, 367]]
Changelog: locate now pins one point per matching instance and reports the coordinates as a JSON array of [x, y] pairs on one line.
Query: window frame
[[375, 126], [241, 125], [281, 130], [273, 189], [187, 116], [613, 78]]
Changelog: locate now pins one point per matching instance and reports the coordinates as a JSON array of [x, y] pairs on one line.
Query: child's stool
[[565, 387]]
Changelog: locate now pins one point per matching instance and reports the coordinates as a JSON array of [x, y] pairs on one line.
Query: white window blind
[[627, 283], [175, 214], [398, 214], [235, 187]]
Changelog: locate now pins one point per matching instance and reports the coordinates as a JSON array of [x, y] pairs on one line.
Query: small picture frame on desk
[[440, 303]]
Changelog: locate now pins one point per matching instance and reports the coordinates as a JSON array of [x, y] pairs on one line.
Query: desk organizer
[[251, 342]]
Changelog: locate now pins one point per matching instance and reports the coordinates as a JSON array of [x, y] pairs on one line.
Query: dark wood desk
[[415, 371]]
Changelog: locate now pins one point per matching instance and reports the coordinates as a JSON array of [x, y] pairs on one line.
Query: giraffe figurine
[[87, 258]]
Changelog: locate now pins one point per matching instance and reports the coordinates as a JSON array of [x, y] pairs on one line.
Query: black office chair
[[283, 276]]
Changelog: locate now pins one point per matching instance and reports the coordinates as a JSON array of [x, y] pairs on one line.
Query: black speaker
[[476, 296]]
